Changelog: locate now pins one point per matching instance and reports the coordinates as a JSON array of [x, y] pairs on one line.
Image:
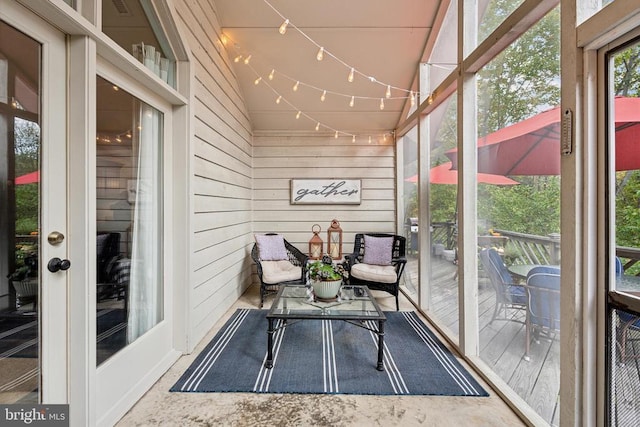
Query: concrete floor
[[160, 407]]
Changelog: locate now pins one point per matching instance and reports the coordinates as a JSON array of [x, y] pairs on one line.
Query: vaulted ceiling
[[383, 40]]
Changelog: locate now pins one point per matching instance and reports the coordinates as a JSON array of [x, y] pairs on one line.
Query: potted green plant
[[326, 277]]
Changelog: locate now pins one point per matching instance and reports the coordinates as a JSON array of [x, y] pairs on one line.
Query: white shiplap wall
[[241, 183], [278, 159], [222, 173]]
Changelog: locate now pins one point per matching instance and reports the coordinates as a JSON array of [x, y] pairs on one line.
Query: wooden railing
[[629, 257], [444, 233], [521, 248]]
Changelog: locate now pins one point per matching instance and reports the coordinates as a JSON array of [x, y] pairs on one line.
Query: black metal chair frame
[[295, 256], [398, 260]]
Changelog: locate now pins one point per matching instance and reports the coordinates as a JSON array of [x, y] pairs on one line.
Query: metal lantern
[[334, 240], [315, 244]]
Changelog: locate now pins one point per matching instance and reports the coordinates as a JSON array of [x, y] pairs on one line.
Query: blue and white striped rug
[[327, 356]]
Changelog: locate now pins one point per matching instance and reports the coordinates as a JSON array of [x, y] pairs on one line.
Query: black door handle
[[57, 264]]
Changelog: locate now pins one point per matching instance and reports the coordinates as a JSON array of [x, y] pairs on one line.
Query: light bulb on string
[[369, 139], [412, 98], [271, 74], [353, 139], [387, 94], [237, 58], [318, 126], [278, 99], [336, 135], [351, 73], [352, 102], [258, 80], [298, 115], [247, 59], [323, 96], [320, 55], [382, 103], [283, 28], [295, 86]]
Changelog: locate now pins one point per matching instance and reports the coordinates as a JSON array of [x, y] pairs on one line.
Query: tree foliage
[[520, 82], [27, 156]]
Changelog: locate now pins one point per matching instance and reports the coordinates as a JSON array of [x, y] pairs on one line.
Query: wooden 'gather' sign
[[325, 191]]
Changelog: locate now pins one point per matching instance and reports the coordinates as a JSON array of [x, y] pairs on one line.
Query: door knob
[[57, 264]]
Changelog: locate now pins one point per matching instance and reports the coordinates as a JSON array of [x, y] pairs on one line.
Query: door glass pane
[[129, 218], [19, 216], [623, 126], [518, 208]]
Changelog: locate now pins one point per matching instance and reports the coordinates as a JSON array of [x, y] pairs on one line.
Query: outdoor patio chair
[[628, 326], [509, 295], [543, 308], [278, 262], [377, 261]]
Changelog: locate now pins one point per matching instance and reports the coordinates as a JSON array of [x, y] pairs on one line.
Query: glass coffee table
[[354, 305]]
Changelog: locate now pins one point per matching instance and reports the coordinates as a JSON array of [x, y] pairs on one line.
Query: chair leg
[[528, 340], [261, 295], [397, 303]]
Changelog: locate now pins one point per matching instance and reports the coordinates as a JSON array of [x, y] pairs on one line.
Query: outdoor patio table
[[355, 305], [520, 271]]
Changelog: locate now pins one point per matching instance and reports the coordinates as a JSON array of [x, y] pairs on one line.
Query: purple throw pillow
[[378, 250], [271, 248]]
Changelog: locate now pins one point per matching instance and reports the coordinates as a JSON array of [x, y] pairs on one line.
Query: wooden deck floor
[[502, 342], [502, 348]]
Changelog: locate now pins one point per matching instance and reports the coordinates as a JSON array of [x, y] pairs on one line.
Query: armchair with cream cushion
[[277, 262], [377, 261]]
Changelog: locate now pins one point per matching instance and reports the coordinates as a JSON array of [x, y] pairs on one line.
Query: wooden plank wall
[[278, 159], [114, 168], [222, 166]]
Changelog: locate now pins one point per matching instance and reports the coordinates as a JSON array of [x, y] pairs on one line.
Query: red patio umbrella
[[443, 174], [29, 178], [532, 146]]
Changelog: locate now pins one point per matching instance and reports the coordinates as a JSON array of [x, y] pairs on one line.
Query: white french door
[[34, 206]]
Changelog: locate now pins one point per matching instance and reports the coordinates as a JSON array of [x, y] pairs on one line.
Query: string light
[[350, 78], [320, 55], [412, 98], [381, 103], [430, 99], [369, 139], [299, 112], [258, 80], [283, 28], [237, 58], [388, 90]]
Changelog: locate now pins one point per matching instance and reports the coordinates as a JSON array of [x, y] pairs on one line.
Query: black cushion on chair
[[107, 248]]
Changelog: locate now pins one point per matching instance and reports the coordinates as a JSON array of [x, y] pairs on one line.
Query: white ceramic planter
[[326, 290]]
